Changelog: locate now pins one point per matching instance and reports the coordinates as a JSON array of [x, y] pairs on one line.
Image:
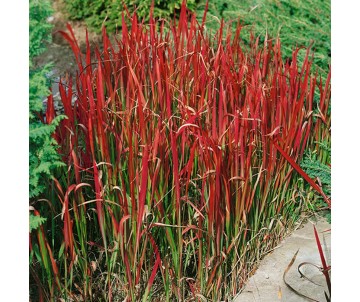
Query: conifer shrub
[[297, 23]]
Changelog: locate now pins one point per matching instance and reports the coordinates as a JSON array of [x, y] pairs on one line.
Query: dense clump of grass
[[181, 154]]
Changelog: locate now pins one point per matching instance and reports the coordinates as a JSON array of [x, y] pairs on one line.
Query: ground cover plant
[[317, 164], [181, 156], [297, 23]]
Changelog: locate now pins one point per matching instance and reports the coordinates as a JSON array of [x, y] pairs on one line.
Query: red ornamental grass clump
[[181, 151]]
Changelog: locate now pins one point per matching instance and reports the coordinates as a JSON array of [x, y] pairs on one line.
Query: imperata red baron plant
[[182, 153]]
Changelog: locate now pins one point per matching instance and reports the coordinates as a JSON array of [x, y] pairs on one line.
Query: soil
[[59, 51]]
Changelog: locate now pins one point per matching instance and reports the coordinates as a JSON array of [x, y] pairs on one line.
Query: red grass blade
[[155, 268], [302, 173], [50, 110], [323, 261], [143, 191]]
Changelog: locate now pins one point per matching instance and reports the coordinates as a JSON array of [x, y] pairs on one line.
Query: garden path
[[267, 284]]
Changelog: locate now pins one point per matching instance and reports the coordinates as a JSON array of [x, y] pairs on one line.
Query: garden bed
[[180, 153]]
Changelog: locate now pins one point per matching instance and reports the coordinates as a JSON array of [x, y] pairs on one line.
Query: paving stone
[[267, 284]]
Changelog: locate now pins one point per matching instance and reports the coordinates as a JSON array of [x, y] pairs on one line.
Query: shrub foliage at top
[[39, 29], [109, 12]]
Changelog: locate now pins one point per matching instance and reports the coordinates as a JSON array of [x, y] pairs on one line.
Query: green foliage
[[38, 89], [298, 23], [35, 222], [43, 157], [95, 13], [316, 169], [39, 29]]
